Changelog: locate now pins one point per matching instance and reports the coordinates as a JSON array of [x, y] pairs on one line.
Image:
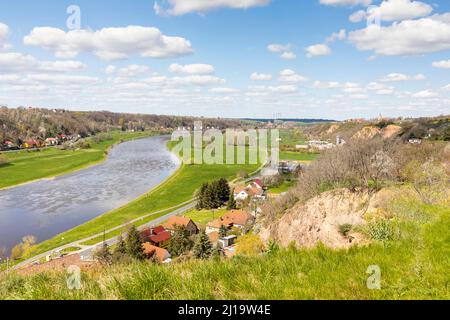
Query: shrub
[[250, 245], [344, 229], [203, 247], [382, 230]]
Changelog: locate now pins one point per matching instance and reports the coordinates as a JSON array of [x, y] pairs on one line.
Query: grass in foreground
[[413, 267], [29, 165]]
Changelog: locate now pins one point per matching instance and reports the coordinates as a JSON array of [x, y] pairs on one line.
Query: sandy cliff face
[[318, 220]]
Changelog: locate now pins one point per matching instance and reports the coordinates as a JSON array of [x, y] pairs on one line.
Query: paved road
[[87, 251]]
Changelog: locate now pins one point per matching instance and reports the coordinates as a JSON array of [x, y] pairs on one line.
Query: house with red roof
[[157, 236], [178, 221], [160, 254]]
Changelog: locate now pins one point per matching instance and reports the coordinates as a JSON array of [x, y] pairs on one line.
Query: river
[[46, 208]]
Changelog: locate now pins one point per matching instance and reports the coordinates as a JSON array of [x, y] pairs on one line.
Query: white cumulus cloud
[[191, 68], [181, 7], [399, 77], [409, 37], [255, 76], [109, 43], [444, 64], [396, 10], [318, 50], [4, 32], [11, 62], [288, 75], [346, 2]]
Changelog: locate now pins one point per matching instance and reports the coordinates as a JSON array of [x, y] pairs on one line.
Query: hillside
[[414, 266], [31, 123], [437, 128]]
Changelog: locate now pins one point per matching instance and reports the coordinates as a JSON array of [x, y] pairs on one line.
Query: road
[[86, 252]]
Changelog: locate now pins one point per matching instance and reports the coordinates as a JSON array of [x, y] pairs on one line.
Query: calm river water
[[48, 207]]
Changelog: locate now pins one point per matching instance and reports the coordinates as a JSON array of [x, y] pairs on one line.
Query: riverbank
[[176, 190], [29, 166]]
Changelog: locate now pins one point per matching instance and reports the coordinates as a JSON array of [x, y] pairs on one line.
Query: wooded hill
[[19, 124]]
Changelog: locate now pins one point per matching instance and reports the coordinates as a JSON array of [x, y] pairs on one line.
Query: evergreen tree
[[232, 202], [201, 197], [217, 252], [180, 242], [223, 232], [134, 244], [224, 190], [203, 247], [104, 255]]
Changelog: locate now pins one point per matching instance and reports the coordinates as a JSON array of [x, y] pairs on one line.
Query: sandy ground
[[57, 265]]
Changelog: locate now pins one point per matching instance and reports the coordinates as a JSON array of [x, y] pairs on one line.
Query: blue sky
[[229, 58]]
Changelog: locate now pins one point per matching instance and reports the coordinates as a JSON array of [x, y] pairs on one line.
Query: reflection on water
[[49, 207]]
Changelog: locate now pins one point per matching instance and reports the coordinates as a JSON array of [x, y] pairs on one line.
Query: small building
[[240, 193], [157, 236], [415, 141], [239, 218], [178, 221], [235, 218], [320, 145], [161, 255], [51, 141], [227, 241], [256, 184]]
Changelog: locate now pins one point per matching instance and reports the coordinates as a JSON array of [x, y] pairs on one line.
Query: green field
[[297, 156], [412, 267], [178, 189], [25, 166], [292, 137], [203, 217], [284, 187]]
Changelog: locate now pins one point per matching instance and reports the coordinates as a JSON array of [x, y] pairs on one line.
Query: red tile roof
[[238, 217], [161, 254], [160, 238], [176, 221], [158, 230]]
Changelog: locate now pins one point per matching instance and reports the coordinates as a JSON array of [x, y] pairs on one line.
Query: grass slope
[[26, 166], [413, 267]]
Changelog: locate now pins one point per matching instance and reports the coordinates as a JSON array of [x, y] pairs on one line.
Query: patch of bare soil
[[390, 131], [319, 219], [57, 265], [367, 133]]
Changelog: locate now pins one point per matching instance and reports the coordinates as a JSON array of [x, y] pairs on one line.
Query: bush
[[250, 245], [82, 144], [344, 229], [382, 230]]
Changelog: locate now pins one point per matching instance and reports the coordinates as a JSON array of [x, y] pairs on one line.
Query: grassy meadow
[[29, 165]]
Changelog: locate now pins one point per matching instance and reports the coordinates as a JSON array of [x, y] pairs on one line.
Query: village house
[[51, 141], [158, 236], [31, 144], [235, 218], [254, 190], [8, 145], [161, 255], [176, 221], [227, 241], [320, 145]]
